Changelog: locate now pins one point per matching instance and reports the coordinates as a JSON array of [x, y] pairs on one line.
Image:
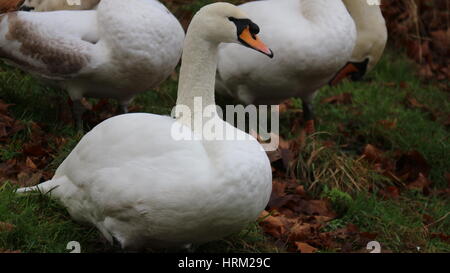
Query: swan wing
[[54, 45]]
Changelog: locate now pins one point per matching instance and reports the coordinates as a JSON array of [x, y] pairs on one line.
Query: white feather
[[311, 41], [135, 182], [116, 51]]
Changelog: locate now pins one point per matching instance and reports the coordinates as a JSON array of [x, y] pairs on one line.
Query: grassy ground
[[42, 225], [398, 223]]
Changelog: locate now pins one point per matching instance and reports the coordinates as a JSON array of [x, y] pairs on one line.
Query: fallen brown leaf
[[305, 248], [4, 107], [7, 251], [373, 154], [343, 98], [413, 103], [409, 165], [32, 149], [442, 236], [368, 235], [427, 219], [272, 225], [300, 190], [388, 124], [390, 192], [301, 232], [6, 227], [278, 188], [422, 183], [30, 164]]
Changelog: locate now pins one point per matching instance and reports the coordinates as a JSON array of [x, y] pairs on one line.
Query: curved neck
[[364, 15], [197, 74]]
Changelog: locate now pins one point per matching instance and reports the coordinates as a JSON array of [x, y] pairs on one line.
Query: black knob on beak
[[26, 8]]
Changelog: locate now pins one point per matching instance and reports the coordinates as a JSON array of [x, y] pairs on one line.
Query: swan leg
[[123, 107], [308, 116], [190, 248], [78, 109]]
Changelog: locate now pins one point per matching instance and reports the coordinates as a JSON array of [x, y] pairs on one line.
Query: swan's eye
[[254, 29], [246, 34], [242, 24]]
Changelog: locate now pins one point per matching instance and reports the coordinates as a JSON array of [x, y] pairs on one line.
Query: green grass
[[399, 223], [41, 225], [249, 240], [377, 100]]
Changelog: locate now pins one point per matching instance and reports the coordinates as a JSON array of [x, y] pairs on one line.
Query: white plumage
[[311, 40], [117, 51], [135, 182]]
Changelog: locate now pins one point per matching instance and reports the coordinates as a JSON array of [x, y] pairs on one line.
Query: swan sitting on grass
[[143, 188]]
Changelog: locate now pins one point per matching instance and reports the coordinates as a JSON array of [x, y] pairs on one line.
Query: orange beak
[[343, 74], [254, 42]]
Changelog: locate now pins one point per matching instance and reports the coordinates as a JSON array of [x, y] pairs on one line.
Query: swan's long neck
[[198, 74], [365, 16]]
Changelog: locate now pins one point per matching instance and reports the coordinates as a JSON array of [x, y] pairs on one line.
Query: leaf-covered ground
[[378, 167]]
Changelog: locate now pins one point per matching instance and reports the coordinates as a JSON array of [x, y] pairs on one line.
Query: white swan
[[52, 5], [131, 179], [117, 51], [313, 40]]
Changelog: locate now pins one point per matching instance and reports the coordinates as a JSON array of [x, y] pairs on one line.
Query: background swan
[[117, 51], [312, 39], [52, 5], [131, 179]]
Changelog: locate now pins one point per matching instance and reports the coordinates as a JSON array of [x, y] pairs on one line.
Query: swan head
[[370, 41], [226, 23]]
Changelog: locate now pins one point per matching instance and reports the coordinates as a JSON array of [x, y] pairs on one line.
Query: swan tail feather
[[44, 188]]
